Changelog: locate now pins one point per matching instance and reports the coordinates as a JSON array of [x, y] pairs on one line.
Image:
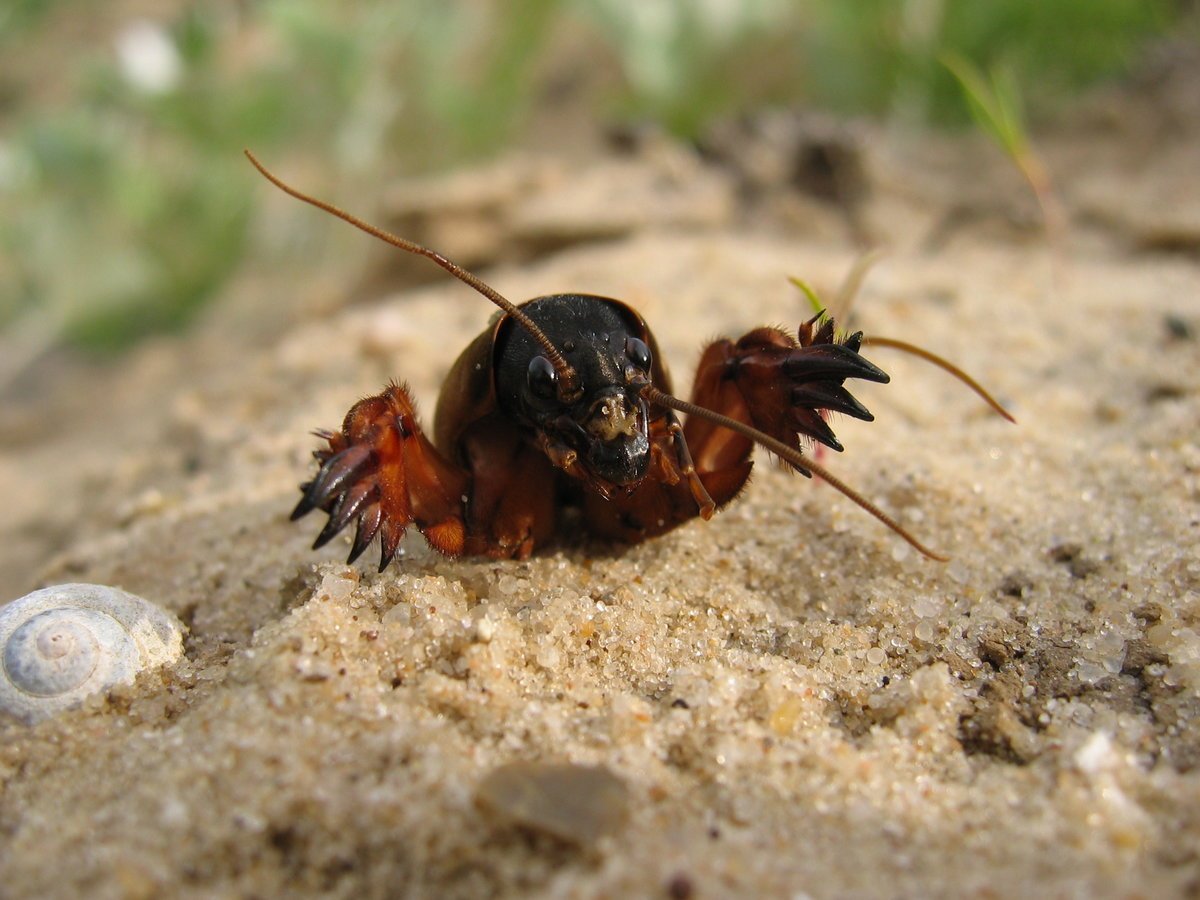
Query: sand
[[784, 701]]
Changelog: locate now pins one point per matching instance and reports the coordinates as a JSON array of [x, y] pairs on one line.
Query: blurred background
[[126, 208]]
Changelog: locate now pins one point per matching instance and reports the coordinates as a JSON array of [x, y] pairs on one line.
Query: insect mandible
[[564, 400]]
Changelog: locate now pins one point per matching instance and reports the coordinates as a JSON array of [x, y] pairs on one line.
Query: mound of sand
[[785, 701]]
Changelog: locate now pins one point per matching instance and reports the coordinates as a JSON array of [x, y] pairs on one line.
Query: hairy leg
[[767, 379], [782, 386], [382, 472]]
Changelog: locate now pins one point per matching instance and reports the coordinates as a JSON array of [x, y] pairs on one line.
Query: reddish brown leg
[[382, 472], [780, 385], [512, 508]]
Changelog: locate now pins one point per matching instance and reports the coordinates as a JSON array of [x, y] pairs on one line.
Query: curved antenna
[[944, 364], [845, 297], [792, 457], [568, 378]]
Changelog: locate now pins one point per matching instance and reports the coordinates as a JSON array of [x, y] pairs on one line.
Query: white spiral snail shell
[[64, 643]]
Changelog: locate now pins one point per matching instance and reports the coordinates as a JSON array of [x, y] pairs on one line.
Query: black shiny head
[[606, 427]]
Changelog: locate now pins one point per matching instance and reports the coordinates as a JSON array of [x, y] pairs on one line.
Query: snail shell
[[64, 643]]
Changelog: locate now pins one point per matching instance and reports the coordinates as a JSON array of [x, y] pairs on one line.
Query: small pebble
[[574, 803]]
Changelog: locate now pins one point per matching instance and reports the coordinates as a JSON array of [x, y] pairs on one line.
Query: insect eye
[[542, 378], [638, 353]]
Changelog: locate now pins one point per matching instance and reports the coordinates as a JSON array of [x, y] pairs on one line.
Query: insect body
[[565, 401]]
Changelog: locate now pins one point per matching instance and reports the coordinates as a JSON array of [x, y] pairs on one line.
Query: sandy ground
[[785, 701]]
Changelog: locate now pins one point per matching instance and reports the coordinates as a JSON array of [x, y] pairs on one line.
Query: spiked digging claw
[[368, 525], [344, 503], [344, 510], [336, 472], [817, 369], [346, 488], [833, 397], [832, 362], [790, 385], [382, 473]]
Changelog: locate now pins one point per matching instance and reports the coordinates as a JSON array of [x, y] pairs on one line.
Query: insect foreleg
[[383, 473]]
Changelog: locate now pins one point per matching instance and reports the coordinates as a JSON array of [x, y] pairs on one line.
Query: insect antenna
[[845, 297], [793, 457], [568, 378], [945, 365]]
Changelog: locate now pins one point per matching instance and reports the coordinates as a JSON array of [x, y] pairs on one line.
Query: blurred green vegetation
[[124, 194]]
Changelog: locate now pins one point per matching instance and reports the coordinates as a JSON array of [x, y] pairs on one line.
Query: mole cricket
[[564, 400]]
